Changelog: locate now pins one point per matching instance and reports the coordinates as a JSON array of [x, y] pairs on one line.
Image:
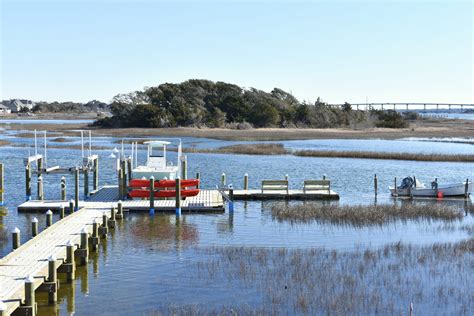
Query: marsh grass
[[4, 143], [247, 149], [436, 278], [361, 215], [384, 155]]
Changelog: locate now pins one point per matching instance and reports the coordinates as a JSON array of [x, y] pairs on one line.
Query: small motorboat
[[412, 187], [164, 173]]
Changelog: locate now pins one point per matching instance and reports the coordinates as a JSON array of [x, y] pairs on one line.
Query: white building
[[17, 105], [4, 110]]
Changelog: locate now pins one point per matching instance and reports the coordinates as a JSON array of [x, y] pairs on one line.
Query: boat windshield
[[157, 152]]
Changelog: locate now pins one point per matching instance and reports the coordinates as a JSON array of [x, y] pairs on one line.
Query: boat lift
[[37, 165]]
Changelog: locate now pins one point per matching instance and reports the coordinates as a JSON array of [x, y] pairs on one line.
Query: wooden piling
[[52, 280], [436, 186], [198, 176], [34, 227], [124, 179], [231, 199], [76, 189], [70, 260], [94, 239], [129, 169], [111, 221], [375, 184], [28, 181], [152, 195], [395, 192], [63, 189], [120, 182], [71, 206], [119, 214], [178, 197], [1, 184], [466, 189], [104, 229], [15, 238], [49, 218], [95, 175], [246, 181], [40, 188], [30, 301], [61, 212], [184, 168], [84, 246], [223, 180], [86, 183], [3, 308]]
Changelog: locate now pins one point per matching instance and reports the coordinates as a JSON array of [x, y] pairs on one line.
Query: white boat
[[157, 164], [410, 187]]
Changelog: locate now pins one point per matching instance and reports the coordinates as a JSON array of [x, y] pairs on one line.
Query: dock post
[[71, 206], [198, 176], [152, 195], [120, 181], [34, 227], [104, 229], [84, 247], [119, 210], [61, 212], [178, 197], [395, 193], [86, 183], [111, 221], [466, 189], [246, 181], [63, 189], [28, 181], [95, 235], [436, 186], [129, 169], [70, 260], [52, 279], [40, 188], [231, 199], [95, 176], [124, 179], [49, 218], [223, 179], [184, 168], [15, 238], [375, 184], [1, 184], [76, 189], [324, 176], [30, 302]]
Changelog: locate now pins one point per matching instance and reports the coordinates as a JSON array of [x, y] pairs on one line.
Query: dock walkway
[[31, 258]]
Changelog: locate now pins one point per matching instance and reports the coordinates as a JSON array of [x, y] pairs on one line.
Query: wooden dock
[[34, 265], [257, 194], [108, 196]]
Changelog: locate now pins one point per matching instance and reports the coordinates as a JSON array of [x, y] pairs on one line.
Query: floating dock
[[256, 194], [108, 196]]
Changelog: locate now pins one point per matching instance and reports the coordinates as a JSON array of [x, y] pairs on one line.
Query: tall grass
[[384, 155], [360, 215], [437, 279]]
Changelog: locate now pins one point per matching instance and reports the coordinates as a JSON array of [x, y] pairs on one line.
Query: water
[[51, 121], [157, 257]]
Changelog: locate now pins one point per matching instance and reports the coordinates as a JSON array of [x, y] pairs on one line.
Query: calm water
[[156, 256]]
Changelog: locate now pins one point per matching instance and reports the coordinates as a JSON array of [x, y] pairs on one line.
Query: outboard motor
[[408, 182]]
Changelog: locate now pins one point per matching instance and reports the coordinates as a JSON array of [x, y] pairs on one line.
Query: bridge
[[409, 106]]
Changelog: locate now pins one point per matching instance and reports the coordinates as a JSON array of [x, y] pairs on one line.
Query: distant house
[[17, 105], [4, 109]]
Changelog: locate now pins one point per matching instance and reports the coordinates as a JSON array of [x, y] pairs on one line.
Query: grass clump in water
[[384, 155], [360, 215]]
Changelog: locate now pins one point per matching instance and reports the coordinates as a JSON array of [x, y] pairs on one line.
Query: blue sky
[[415, 51]]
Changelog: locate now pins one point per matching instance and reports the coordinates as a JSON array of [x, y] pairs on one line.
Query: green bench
[[275, 185], [316, 185]]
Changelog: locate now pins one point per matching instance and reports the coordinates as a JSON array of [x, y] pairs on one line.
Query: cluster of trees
[[70, 107], [204, 103]]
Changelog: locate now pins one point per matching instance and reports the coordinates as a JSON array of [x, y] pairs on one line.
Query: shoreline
[[424, 128]]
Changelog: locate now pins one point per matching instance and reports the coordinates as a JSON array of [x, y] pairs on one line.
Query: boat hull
[[452, 190]]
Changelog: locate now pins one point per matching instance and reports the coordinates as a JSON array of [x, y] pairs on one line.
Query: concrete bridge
[[407, 106]]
